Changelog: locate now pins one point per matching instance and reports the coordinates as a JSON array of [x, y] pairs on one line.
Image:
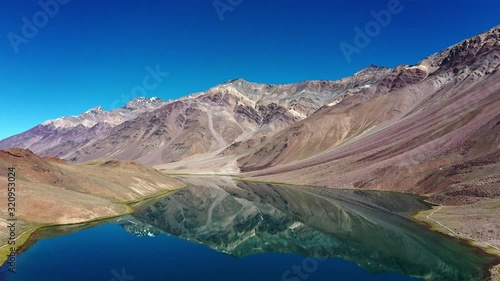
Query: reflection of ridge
[[249, 218], [137, 228]]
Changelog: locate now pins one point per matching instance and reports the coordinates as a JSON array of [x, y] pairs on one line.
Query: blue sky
[[95, 52]]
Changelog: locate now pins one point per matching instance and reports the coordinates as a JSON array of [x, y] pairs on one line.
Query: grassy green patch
[[20, 240], [495, 273]]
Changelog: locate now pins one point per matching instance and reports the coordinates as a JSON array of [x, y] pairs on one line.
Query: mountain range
[[429, 128]]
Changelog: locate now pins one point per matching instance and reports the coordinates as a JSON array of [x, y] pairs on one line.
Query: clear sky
[[66, 58]]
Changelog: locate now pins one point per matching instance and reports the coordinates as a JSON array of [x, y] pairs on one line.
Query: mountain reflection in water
[[370, 229]]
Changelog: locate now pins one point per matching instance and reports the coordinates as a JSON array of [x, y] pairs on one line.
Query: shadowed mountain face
[[368, 228]]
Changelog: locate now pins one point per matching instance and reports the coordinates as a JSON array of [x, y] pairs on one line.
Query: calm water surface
[[226, 230]]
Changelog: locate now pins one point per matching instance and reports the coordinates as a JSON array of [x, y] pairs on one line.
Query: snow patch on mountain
[[97, 115]]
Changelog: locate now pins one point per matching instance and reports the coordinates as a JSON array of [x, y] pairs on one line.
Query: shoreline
[[28, 233], [24, 237], [492, 270]]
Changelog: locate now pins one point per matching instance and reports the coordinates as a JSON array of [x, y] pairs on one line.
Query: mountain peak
[[143, 102], [236, 80], [94, 110], [369, 73], [371, 69]]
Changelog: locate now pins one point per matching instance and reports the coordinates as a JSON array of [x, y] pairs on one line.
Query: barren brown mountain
[[230, 116], [432, 128]]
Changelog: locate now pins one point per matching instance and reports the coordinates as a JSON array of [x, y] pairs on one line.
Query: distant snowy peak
[[94, 111], [144, 103], [98, 115], [87, 119], [70, 122]]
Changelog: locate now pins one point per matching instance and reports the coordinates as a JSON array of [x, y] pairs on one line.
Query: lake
[[221, 229]]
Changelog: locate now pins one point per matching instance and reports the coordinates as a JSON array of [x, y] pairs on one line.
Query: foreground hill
[[51, 191]]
